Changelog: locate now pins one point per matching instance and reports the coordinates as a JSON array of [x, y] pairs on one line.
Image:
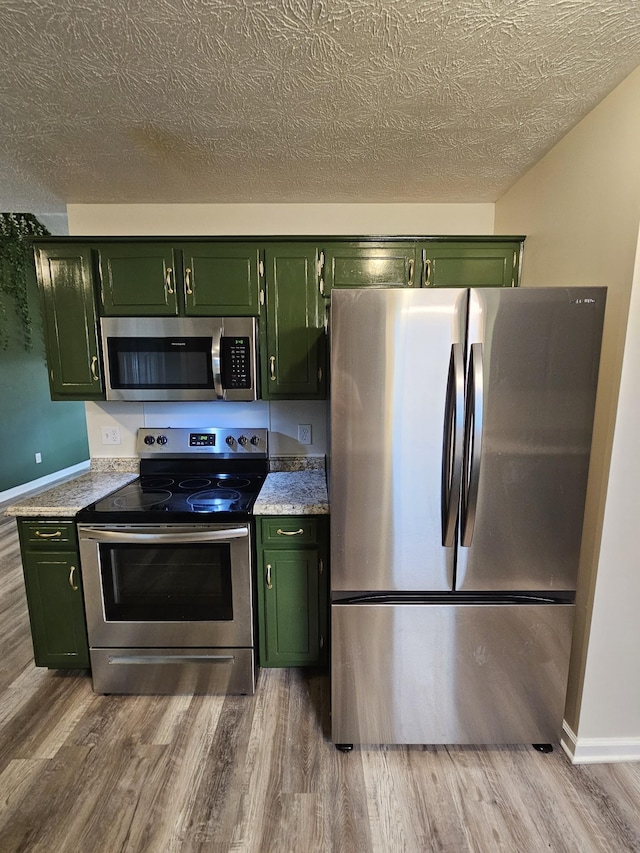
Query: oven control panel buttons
[[230, 440], [162, 439], [242, 440], [149, 439]]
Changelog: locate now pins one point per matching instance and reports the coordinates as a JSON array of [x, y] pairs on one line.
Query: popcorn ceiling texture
[[295, 100]]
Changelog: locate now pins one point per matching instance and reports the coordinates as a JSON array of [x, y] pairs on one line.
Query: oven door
[[167, 586]]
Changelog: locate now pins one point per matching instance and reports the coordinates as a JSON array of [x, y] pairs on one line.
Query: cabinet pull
[[187, 280], [320, 567], [269, 584], [167, 280], [55, 535], [411, 266], [94, 364], [72, 583], [427, 272], [261, 296], [282, 532], [272, 366], [261, 269]]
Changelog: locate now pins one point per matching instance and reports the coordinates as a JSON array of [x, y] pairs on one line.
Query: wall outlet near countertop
[[38, 458], [304, 433], [110, 435]]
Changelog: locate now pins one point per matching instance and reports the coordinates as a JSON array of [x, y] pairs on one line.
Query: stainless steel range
[[167, 564]]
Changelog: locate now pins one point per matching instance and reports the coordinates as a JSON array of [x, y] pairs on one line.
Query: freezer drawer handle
[[472, 443], [452, 445]]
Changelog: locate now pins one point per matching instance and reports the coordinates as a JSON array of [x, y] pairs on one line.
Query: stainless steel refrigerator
[[461, 425]]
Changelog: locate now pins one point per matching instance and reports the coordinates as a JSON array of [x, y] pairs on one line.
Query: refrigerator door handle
[[472, 443], [452, 445]]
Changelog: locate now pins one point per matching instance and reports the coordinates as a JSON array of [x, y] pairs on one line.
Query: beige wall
[[580, 210], [278, 219]]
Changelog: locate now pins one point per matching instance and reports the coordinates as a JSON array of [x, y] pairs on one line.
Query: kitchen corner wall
[[580, 209], [281, 418]]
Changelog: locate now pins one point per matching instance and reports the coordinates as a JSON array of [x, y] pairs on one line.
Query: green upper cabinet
[[368, 264], [71, 337], [470, 263], [222, 278], [138, 279], [294, 347], [167, 279]]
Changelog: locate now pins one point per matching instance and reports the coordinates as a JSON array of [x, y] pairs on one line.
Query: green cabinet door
[[294, 348], [470, 263], [292, 592], [71, 336], [139, 279], [54, 594], [221, 279], [368, 264]]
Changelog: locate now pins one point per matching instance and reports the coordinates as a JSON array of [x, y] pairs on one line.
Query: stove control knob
[[255, 440], [242, 441], [230, 440], [162, 439], [149, 439]]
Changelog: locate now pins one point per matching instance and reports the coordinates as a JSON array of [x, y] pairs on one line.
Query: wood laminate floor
[[83, 772]]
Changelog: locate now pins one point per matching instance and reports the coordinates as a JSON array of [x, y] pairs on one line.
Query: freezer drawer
[[449, 673]]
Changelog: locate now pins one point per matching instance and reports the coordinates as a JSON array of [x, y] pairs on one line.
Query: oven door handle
[[161, 536]]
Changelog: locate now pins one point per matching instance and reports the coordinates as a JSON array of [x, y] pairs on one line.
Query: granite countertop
[[300, 492], [293, 493], [68, 498]]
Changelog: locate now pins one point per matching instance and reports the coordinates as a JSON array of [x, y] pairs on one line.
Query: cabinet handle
[[55, 535], [167, 280], [261, 269], [269, 584], [94, 364], [72, 584], [272, 366], [427, 272], [411, 266], [320, 567], [282, 532], [187, 280], [261, 297]]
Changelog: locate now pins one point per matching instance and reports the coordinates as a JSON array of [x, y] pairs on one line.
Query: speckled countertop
[[296, 492], [293, 493], [68, 498]]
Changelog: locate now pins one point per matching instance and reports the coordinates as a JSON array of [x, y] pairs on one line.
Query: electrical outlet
[[304, 433], [38, 458], [110, 435]]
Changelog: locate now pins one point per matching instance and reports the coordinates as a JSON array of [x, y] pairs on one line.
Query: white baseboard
[[42, 482], [599, 750]]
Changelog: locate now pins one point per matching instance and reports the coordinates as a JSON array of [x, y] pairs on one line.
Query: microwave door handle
[[216, 363], [161, 537]]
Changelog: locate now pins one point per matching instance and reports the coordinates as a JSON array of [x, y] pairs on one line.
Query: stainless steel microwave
[[180, 358]]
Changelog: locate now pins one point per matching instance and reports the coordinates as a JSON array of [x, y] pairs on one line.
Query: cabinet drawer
[[288, 531], [48, 534]]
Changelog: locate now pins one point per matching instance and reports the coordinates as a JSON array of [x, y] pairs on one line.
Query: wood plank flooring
[[82, 772]]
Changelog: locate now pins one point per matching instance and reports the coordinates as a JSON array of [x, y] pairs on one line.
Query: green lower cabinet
[[293, 592], [54, 594]]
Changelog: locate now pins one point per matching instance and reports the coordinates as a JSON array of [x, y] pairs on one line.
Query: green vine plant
[[16, 257]]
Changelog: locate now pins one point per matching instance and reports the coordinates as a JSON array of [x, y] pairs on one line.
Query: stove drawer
[[173, 671]]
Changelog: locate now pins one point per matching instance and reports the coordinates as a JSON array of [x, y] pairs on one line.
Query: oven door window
[[167, 583], [149, 363]]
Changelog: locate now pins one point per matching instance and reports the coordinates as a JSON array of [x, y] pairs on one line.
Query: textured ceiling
[[295, 100]]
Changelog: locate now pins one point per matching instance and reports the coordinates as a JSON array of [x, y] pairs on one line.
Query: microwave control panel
[[235, 358]]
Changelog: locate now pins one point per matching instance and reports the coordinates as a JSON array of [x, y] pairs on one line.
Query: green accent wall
[[30, 422]]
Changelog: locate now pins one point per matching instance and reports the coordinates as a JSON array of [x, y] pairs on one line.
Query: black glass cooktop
[[178, 496]]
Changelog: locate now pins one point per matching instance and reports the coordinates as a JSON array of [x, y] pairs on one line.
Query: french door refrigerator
[[461, 426]]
